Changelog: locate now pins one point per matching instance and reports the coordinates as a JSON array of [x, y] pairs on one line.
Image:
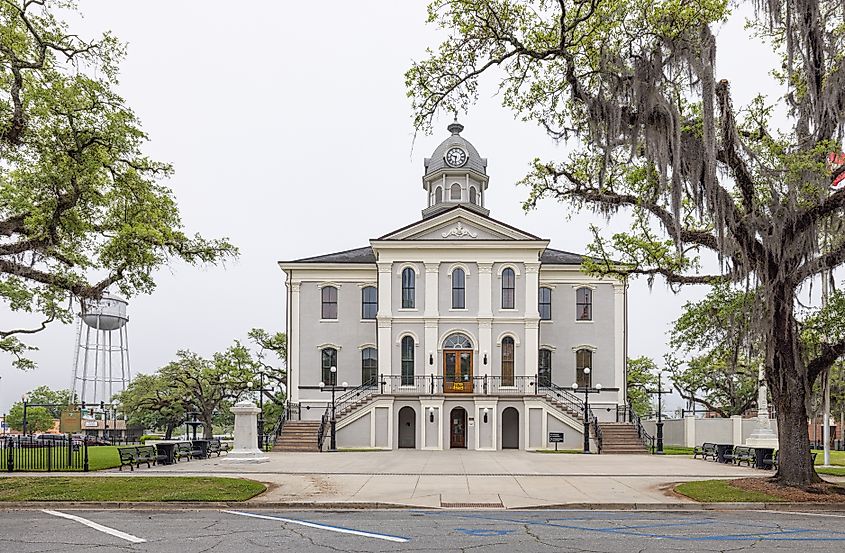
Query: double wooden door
[[457, 371]]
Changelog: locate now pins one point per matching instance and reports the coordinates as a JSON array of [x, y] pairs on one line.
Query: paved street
[[494, 531]]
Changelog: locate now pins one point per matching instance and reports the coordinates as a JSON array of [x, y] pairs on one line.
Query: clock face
[[456, 157]]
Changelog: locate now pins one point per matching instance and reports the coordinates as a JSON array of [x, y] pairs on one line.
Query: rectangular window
[[407, 361], [329, 307], [583, 304], [545, 368], [508, 288], [545, 304], [408, 286], [584, 360], [369, 366], [329, 360], [507, 361], [369, 302], [458, 289]]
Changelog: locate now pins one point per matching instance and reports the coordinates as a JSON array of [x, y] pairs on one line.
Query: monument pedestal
[[246, 435]]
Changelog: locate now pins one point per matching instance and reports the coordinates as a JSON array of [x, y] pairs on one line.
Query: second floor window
[[458, 289], [329, 360], [583, 304], [507, 361], [545, 304], [369, 302], [329, 307], [583, 360], [508, 288], [407, 361], [408, 288]]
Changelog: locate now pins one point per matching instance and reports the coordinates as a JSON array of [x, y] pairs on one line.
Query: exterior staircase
[[298, 436], [621, 437]]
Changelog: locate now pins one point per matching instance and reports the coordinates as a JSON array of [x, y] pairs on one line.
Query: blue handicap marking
[[483, 532]]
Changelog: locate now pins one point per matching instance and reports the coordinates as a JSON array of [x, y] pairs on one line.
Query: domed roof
[[437, 160]]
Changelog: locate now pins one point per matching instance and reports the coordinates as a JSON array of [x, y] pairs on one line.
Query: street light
[[587, 391], [25, 399], [334, 388]]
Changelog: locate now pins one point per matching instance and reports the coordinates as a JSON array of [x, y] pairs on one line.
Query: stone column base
[[246, 456]]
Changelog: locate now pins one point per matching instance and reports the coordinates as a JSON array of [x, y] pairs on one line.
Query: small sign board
[[70, 421], [91, 424], [555, 438]]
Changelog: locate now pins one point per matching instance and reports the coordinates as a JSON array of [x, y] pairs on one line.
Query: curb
[[354, 506]]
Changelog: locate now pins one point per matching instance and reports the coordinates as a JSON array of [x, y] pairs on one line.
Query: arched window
[[473, 195], [457, 341], [407, 361], [438, 195], [458, 289], [583, 360], [369, 302], [369, 366], [507, 361], [508, 288], [455, 192], [329, 307], [545, 304], [544, 372], [583, 304], [329, 360], [408, 288]]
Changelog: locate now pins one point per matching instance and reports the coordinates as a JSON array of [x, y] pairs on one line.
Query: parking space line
[[318, 526], [95, 526], [803, 513]]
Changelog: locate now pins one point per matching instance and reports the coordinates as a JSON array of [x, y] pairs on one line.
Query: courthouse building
[[455, 331]]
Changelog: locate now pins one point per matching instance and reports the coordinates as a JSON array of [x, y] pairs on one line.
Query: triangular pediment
[[459, 224]]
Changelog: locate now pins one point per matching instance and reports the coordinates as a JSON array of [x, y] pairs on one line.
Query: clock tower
[[455, 175]]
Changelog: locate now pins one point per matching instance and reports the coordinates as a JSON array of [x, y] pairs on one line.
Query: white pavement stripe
[[338, 529], [95, 526], [802, 513]]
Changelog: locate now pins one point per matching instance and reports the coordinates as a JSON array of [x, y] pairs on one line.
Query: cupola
[[455, 174]]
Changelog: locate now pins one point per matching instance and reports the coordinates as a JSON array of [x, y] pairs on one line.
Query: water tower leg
[[77, 346], [111, 372], [85, 363]]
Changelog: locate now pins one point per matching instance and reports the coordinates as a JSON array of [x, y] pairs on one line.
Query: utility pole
[[826, 383]]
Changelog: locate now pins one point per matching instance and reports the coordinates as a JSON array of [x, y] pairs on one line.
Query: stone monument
[[246, 435], [763, 436]]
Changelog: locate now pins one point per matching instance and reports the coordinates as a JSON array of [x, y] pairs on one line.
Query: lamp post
[[660, 393], [586, 390], [25, 399], [333, 421]]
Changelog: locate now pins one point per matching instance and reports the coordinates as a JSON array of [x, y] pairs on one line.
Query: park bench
[[773, 462], [706, 450], [217, 446], [149, 454], [187, 449], [741, 454], [128, 457]]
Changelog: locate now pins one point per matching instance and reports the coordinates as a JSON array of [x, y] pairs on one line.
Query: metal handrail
[[646, 438], [357, 394], [596, 430], [321, 432], [562, 395]]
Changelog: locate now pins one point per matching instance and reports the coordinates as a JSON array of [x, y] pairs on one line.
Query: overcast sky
[[290, 132]]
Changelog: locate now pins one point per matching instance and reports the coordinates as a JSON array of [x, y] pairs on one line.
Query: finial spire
[[455, 127]]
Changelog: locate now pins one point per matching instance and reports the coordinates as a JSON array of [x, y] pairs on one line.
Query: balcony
[[433, 385]]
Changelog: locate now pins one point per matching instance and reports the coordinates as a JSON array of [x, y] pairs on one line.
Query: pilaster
[[531, 349], [432, 427], [293, 345], [532, 319], [432, 355], [485, 346], [619, 339], [432, 289], [485, 289], [384, 318]]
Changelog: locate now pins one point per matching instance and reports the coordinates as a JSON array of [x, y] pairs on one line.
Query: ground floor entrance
[[458, 428]]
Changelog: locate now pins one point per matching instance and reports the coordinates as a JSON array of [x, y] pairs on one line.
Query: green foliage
[[43, 394], [38, 419], [642, 377], [716, 359], [721, 491], [275, 375], [152, 402], [128, 488], [82, 208]]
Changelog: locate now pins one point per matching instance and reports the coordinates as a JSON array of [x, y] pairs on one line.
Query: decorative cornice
[[459, 232], [532, 267], [384, 267], [532, 325], [385, 323], [485, 268], [432, 267], [295, 286]]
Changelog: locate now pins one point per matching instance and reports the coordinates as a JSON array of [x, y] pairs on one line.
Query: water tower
[[101, 358]]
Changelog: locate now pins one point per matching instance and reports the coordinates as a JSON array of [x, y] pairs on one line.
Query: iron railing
[[627, 414], [27, 454], [324, 426], [353, 398], [563, 396], [594, 423]]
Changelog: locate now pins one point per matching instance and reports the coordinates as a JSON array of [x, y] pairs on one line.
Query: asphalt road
[[74, 531]]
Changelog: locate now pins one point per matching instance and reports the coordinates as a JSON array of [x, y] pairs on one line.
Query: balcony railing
[[398, 385]]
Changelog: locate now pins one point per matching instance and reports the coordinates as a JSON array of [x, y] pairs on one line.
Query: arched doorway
[[458, 428], [457, 364], [510, 428], [407, 427]]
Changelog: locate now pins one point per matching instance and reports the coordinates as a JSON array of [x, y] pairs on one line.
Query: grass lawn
[[720, 491], [836, 457], [676, 450], [127, 488]]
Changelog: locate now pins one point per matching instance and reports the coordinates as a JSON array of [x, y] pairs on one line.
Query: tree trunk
[[787, 379], [168, 431], [207, 428]]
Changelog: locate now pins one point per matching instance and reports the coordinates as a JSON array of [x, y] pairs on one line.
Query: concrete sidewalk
[[510, 479]]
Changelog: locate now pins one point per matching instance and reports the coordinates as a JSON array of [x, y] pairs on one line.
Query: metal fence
[[27, 454]]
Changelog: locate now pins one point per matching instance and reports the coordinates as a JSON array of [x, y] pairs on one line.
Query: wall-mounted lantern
[[486, 410], [431, 358], [431, 414], [485, 357]]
